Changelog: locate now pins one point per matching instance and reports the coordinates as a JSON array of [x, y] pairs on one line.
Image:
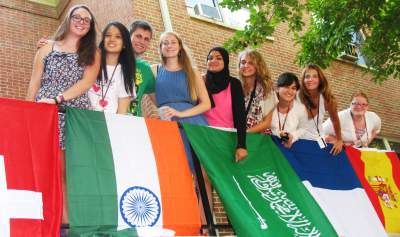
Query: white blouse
[[310, 125], [373, 123], [294, 119]]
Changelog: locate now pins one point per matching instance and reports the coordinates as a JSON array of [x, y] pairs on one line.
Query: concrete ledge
[[48, 8]]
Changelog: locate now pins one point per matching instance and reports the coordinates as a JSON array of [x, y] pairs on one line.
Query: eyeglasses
[[83, 20], [244, 62], [166, 43], [359, 104]]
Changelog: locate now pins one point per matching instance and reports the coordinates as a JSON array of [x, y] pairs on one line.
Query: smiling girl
[[64, 70], [257, 87], [315, 94], [226, 97], [180, 91], [289, 114], [359, 126], [179, 87], [114, 86]]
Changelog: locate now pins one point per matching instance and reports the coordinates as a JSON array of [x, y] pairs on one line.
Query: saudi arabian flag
[[127, 176], [262, 195]]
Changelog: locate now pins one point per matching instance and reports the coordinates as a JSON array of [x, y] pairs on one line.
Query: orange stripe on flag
[[180, 207]]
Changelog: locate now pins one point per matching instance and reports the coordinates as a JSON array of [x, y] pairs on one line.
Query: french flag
[[334, 185]]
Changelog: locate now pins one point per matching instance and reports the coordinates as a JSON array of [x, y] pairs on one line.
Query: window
[[353, 53], [210, 10], [358, 40], [192, 3]]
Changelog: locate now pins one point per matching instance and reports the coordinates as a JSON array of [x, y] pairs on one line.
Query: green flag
[[262, 195]]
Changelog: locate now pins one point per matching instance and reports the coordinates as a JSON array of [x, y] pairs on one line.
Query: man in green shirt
[[141, 34]]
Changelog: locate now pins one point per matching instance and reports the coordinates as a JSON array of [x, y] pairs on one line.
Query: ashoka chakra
[[139, 207]]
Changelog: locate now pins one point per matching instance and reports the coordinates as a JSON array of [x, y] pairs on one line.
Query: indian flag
[[127, 176]]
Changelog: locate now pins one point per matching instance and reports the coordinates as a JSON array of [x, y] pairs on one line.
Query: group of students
[[71, 70]]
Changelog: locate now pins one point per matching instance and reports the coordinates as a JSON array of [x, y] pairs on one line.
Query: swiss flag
[[30, 187]]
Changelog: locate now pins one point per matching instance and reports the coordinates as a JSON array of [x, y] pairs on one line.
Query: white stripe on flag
[[349, 211], [134, 163]]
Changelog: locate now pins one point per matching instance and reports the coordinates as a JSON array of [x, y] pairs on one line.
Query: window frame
[[224, 20], [360, 57]]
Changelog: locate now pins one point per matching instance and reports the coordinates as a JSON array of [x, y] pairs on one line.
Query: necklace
[[103, 103], [312, 115], [282, 127], [359, 132]]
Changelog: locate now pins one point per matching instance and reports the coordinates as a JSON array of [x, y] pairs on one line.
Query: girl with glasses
[[359, 126], [64, 70]]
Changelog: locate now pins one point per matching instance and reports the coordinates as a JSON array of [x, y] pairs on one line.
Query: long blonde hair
[[185, 61], [323, 88], [263, 75]]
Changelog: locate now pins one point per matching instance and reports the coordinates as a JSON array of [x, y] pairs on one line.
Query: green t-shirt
[[144, 84]]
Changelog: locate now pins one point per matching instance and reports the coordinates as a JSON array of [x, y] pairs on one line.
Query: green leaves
[[331, 25]]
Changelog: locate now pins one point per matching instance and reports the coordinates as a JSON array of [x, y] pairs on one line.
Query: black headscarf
[[218, 81]]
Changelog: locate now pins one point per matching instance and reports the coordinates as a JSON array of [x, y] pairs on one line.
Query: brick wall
[[345, 77], [19, 32], [22, 24]]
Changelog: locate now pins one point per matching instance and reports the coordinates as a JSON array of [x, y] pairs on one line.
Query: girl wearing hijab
[[226, 96]]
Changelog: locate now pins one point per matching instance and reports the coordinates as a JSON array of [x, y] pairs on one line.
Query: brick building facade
[[23, 22]]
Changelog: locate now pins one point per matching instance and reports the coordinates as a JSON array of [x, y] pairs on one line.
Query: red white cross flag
[[30, 189]]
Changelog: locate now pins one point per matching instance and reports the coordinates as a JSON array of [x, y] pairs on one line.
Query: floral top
[[260, 107], [62, 71]]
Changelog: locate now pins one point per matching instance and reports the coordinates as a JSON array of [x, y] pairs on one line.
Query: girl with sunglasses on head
[[258, 91], [315, 94], [65, 69], [289, 113], [114, 86], [359, 126]]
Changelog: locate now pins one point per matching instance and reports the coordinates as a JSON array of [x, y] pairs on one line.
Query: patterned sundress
[[62, 71]]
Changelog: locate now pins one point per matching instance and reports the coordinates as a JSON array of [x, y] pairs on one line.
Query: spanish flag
[[379, 173]]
